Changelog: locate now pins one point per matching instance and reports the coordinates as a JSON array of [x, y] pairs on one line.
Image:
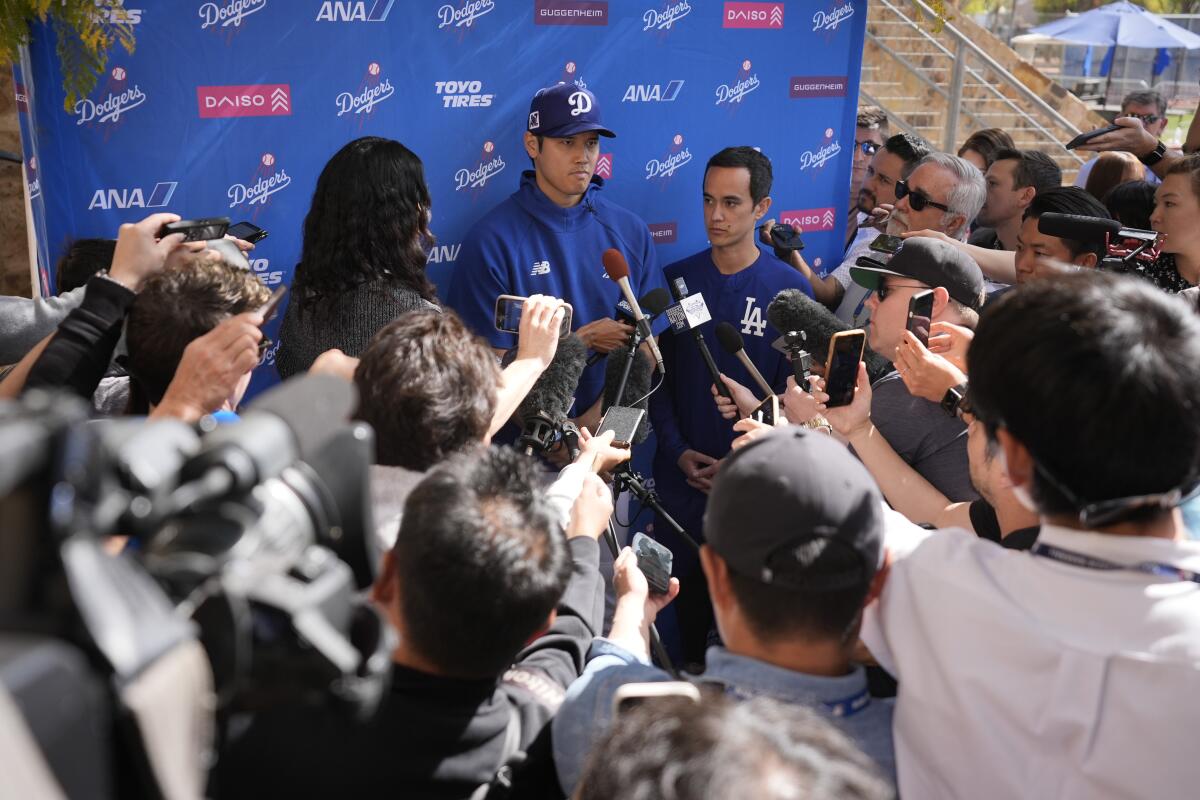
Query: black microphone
[[793, 310], [637, 387], [731, 340], [653, 303], [680, 291], [1091, 230], [544, 409]]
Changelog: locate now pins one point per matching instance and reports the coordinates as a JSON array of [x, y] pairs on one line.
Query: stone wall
[[14, 247]]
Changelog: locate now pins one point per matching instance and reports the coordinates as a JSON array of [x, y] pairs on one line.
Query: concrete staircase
[[944, 84]]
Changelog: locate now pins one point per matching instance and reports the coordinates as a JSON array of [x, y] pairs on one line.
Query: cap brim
[[870, 277], [575, 128]]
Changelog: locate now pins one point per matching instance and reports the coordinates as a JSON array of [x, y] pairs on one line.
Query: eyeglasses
[[886, 289], [868, 148], [1148, 119], [916, 198]]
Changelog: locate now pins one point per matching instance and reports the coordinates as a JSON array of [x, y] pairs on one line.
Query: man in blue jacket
[[738, 282], [549, 235]]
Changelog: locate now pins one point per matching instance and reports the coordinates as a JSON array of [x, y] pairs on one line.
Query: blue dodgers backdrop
[[231, 109]]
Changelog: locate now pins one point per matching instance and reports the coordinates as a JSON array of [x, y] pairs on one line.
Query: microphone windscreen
[[1080, 229], [636, 387], [554, 389], [314, 407], [793, 310], [615, 264], [729, 338], [654, 302]]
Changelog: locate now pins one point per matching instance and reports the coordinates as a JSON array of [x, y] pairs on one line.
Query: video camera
[[245, 547]]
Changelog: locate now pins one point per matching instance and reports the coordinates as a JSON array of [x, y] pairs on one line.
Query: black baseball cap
[[565, 110], [933, 263], [793, 509]]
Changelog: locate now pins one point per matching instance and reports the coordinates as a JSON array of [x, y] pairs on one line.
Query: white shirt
[[1024, 677]]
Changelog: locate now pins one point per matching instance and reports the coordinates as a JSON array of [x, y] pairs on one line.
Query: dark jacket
[[433, 737], [347, 321]]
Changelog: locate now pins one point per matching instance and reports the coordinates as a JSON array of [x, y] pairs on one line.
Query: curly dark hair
[[368, 222]]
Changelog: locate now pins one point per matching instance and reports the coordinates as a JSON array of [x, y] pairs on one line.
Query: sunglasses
[[917, 199], [868, 148], [1148, 119], [886, 289]]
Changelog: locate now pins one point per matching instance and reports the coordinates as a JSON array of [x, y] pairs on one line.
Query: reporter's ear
[[1087, 260], [941, 299]]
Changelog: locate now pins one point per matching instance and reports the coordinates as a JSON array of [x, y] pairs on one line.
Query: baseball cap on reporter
[[794, 509], [933, 263], [565, 110]]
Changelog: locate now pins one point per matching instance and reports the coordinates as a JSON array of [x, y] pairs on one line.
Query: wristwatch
[[952, 400], [1154, 156]]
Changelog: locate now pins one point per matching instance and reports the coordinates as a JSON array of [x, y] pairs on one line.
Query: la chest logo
[[752, 319]]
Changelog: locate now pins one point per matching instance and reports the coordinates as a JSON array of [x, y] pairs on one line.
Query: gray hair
[[1147, 97], [969, 192]]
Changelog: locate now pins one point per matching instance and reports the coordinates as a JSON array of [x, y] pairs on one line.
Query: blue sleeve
[[662, 405], [587, 710], [479, 278]]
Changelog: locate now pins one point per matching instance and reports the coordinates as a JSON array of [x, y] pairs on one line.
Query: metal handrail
[[875, 40]]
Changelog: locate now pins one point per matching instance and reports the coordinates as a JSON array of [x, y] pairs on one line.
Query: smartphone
[[767, 411], [785, 237], [197, 230], [841, 368], [247, 231], [631, 695], [920, 309], [1087, 136], [654, 560], [886, 243], [623, 421], [508, 315], [270, 308]]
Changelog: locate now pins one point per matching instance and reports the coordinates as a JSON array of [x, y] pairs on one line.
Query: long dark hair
[[368, 222]]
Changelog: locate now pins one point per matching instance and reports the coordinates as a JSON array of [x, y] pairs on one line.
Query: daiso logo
[[809, 220], [753, 15]]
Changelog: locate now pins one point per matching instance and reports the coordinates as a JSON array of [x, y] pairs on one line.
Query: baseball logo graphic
[[268, 159], [488, 147], [118, 74], [746, 65], [678, 139], [829, 133], [570, 68], [373, 68]]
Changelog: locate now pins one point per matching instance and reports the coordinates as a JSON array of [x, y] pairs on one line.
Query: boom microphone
[[544, 409], [793, 310], [617, 269], [680, 291], [731, 340], [637, 387], [1091, 230]]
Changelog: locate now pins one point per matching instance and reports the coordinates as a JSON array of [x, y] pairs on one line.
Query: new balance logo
[[540, 268]]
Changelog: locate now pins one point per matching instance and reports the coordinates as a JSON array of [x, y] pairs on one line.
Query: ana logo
[[254, 100], [752, 320], [465, 94], [489, 166], [570, 12], [443, 253], [231, 13], [604, 165], [745, 83], [809, 220], [540, 268], [652, 92], [830, 20], [818, 158], [581, 103], [115, 100], [266, 181], [465, 15], [118, 14], [818, 86], [667, 166], [753, 15], [663, 20], [107, 199], [372, 91], [664, 232], [335, 11], [262, 270]]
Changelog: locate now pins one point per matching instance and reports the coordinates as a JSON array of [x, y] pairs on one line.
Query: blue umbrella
[[1120, 24]]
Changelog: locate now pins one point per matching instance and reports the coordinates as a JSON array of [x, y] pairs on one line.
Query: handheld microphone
[[793, 310], [544, 409], [680, 291], [617, 269], [1093, 230], [731, 340]]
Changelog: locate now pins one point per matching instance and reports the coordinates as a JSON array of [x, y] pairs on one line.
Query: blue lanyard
[[1157, 569]]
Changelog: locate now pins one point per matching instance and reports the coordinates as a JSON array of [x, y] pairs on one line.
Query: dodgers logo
[[815, 159], [569, 76], [231, 13], [489, 166], [667, 166], [31, 178], [266, 181], [830, 20], [116, 99], [752, 320], [465, 15], [735, 92], [581, 103], [656, 20], [372, 91]]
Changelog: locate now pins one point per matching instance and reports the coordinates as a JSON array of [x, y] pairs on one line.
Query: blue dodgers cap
[[564, 110]]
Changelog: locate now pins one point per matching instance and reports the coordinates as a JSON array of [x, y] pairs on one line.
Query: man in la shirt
[[548, 238], [738, 282]]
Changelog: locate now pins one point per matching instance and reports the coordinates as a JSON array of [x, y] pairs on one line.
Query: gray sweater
[[347, 322], [25, 322]]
